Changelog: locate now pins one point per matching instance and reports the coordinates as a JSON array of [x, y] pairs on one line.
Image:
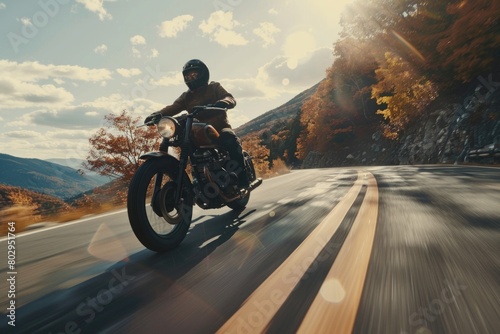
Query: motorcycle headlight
[[167, 127]]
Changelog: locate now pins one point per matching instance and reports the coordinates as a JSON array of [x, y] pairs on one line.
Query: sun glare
[[328, 8], [297, 46]]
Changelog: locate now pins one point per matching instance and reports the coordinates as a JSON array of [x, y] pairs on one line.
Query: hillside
[[77, 164], [280, 115], [43, 204], [44, 177], [444, 135]]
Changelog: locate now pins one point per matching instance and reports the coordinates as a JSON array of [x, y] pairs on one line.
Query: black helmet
[[202, 77]]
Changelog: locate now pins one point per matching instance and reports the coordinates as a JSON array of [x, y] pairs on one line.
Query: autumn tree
[[252, 144], [471, 44], [392, 59], [116, 148], [402, 92]]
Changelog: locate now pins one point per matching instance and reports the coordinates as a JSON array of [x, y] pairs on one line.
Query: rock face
[[446, 135], [452, 130]]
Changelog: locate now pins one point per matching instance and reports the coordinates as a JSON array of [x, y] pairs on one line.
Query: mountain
[[280, 115], [44, 177], [77, 164]]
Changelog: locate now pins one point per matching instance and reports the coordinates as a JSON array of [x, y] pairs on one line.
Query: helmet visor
[[191, 75]]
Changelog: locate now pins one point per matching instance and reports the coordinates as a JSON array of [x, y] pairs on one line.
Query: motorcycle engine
[[214, 180]]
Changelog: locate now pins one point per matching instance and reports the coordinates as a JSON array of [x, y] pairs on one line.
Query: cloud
[[136, 53], [154, 53], [298, 46], [138, 43], [2, 5], [127, 73], [276, 78], [101, 49], [34, 71], [265, 31], [115, 103], [20, 86], [22, 134], [171, 79], [96, 6], [137, 40], [69, 134], [250, 88], [237, 117], [219, 27], [75, 117], [17, 94], [304, 74], [170, 29], [272, 11], [26, 21]]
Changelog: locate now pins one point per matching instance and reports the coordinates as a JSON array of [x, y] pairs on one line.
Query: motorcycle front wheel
[[157, 222]]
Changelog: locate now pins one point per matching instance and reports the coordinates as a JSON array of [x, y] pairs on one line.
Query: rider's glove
[[154, 117]]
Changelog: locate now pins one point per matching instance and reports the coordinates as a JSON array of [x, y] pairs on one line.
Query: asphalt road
[[400, 249]]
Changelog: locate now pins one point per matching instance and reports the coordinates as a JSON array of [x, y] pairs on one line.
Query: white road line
[[23, 234]]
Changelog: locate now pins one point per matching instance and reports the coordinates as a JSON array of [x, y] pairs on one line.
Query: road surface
[[400, 249]]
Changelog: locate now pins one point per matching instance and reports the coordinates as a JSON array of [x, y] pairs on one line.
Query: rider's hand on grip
[[152, 119]]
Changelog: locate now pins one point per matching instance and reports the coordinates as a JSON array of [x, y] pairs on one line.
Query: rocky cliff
[[447, 134]]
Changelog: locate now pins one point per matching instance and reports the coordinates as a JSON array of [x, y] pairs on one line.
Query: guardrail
[[488, 151]]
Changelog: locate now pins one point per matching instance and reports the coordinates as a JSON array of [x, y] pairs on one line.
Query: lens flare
[[408, 45]]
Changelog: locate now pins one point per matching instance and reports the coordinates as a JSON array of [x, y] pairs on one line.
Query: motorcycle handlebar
[[194, 111], [197, 109]]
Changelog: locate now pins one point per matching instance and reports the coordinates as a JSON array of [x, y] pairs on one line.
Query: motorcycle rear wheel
[[156, 221]]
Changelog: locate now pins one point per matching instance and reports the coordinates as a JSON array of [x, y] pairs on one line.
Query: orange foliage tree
[[471, 44], [116, 148], [404, 93], [260, 153]]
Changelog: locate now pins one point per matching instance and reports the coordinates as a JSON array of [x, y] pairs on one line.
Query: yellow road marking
[[261, 306], [336, 304]]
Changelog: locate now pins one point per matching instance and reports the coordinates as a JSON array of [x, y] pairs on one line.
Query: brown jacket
[[209, 94]]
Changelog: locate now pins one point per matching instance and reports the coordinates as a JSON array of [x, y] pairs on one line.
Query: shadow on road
[[131, 282]]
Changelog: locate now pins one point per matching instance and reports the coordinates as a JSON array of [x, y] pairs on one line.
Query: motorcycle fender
[[156, 154], [169, 160]]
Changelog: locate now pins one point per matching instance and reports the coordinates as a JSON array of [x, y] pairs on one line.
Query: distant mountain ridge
[[285, 112], [44, 177], [77, 164], [61, 178]]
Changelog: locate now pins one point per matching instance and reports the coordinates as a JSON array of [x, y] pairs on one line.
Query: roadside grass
[[25, 216]]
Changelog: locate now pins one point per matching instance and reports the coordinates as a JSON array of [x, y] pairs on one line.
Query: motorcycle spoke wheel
[[157, 222]]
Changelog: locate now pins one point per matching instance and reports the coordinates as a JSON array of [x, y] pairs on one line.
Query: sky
[[64, 64]]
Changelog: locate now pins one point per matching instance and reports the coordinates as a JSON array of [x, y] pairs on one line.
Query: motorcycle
[[163, 192]]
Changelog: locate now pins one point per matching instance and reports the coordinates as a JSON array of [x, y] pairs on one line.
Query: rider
[[203, 93]]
